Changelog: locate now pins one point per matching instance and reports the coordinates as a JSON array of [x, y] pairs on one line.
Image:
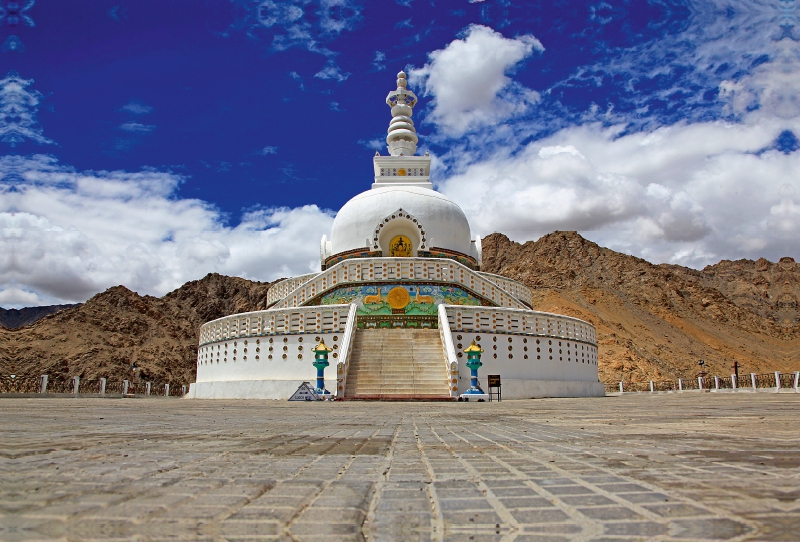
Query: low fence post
[[680, 384], [652, 388], [777, 380], [166, 390], [183, 390], [796, 379], [76, 384], [716, 383], [734, 383], [102, 386], [147, 388], [700, 382], [753, 381], [125, 385], [43, 385], [620, 387]]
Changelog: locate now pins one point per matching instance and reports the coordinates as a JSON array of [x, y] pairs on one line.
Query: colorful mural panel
[[399, 299]]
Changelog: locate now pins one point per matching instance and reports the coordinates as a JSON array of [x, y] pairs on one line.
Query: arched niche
[[396, 231]]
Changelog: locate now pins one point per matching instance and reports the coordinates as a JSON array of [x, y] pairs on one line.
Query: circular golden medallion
[[398, 298], [401, 172]]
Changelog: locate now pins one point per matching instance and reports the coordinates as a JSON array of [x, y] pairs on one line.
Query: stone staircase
[[397, 364]]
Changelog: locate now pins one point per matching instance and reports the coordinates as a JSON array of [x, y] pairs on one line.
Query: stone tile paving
[[637, 467]]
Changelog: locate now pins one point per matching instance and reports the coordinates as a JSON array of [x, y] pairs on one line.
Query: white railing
[[281, 289], [398, 270], [450, 358], [521, 322], [344, 351], [316, 319], [514, 287]]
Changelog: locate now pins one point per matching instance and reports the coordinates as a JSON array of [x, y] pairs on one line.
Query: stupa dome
[[426, 217]]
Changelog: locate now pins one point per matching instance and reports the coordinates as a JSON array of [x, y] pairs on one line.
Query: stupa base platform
[[394, 397]]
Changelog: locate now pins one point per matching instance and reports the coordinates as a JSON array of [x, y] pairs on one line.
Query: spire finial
[[402, 139]]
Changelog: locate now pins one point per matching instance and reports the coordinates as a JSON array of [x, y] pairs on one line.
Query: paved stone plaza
[[638, 467]]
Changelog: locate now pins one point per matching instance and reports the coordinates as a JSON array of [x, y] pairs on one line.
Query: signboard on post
[[494, 382]]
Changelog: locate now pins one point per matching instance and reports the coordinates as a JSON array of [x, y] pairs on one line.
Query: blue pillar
[[320, 362], [474, 352]]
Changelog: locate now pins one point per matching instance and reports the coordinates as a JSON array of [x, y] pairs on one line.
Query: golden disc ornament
[[398, 298]]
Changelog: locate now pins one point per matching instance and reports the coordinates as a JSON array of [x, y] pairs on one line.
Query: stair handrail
[[450, 358], [344, 351]]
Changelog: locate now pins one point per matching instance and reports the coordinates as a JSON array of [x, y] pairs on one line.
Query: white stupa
[[400, 308]]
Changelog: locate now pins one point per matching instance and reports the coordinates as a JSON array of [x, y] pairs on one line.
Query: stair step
[[397, 365]]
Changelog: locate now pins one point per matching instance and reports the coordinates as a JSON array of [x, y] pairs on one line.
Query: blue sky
[[148, 143]]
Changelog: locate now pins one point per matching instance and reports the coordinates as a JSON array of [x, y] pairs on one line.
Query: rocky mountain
[[653, 321], [16, 318], [105, 335], [658, 321]]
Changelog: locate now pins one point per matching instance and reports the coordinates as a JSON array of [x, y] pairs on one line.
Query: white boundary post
[[147, 388], [700, 382], [166, 390], [620, 387], [716, 383], [777, 380], [753, 381], [76, 384], [125, 384], [102, 386], [680, 384], [796, 378], [43, 385], [652, 388], [734, 383]]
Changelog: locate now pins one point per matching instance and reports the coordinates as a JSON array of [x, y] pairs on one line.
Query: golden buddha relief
[[400, 247]]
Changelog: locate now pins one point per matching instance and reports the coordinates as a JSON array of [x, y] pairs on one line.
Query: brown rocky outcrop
[[112, 330], [658, 321], [653, 321]]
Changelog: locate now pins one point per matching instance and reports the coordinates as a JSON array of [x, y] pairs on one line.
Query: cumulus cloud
[[18, 107], [468, 81], [65, 235], [691, 193]]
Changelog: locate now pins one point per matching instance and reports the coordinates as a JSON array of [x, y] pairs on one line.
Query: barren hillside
[[105, 335], [653, 321], [658, 321]]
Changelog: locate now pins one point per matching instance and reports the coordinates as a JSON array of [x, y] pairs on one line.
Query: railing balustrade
[[379, 270]]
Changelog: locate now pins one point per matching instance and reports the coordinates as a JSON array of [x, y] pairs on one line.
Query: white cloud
[[379, 61], [65, 235], [137, 128], [332, 71], [468, 80], [300, 23], [137, 108], [18, 108], [689, 194], [268, 150]]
